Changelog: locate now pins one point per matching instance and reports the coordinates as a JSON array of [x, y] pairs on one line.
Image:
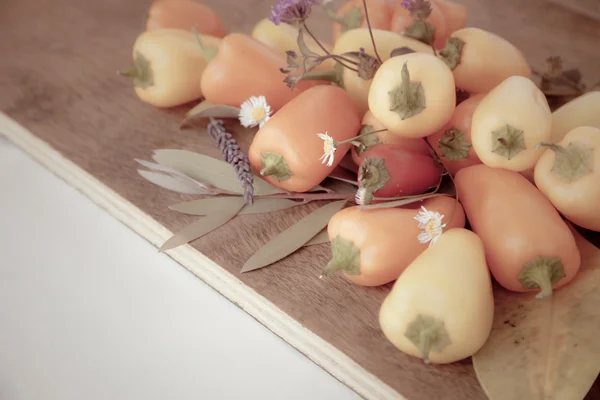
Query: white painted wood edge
[[332, 360]]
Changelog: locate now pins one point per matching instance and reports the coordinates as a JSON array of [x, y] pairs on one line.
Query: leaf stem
[[315, 38], [371, 31], [360, 136], [307, 197], [561, 78]]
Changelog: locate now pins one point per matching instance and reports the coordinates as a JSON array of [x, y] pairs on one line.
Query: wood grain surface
[[58, 78]]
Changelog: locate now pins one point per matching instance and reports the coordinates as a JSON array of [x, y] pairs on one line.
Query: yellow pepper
[[168, 65]]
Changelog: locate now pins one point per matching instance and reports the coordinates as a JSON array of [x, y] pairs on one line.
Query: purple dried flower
[[231, 152], [419, 9], [293, 12]]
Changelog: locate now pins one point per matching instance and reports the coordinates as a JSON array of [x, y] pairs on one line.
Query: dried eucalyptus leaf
[[402, 202], [174, 183], [343, 175], [210, 171], [204, 225], [321, 238], [211, 205], [545, 348], [293, 238], [400, 51], [206, 109]]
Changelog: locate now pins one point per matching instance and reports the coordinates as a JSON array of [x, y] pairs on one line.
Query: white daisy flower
[[431, 224], [329, 148], [254, 111]]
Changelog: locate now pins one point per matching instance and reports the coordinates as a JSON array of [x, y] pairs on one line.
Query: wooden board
[[58, 80]]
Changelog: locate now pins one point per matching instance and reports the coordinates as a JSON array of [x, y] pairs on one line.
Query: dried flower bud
[[293, 12]]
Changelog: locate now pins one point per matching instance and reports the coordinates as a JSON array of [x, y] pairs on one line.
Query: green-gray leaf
[[321, 238], [402, 202], [174, 183], [293, 238], [204, 225], [206, 109], [210, 171], [210, 205]]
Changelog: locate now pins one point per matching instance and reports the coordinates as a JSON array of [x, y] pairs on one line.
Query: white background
[[89, 310]]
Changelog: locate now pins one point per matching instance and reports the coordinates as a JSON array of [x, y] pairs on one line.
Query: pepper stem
[[542, 273], [345, 256], [274, 165], [131, 72], [427, 334]]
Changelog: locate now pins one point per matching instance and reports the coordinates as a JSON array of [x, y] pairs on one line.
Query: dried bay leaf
[[321, 238], [175, 183], [210, 205], [545, 349], [209, 170], [206, 109], [204, 225], [293, 238]]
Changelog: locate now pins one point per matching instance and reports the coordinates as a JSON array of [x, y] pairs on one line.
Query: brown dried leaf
[[204, 225], [293, 238], [545, 349]]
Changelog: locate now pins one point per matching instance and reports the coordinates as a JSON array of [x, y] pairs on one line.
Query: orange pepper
[[382, 243], [452, 143], [245, 67], [380, 15], [528, 246], [184, 14], [287, 149], [454, 14], [416, 145]]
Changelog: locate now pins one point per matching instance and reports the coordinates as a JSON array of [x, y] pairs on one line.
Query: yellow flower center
[[328, 147], [258, 114], [430, 228]]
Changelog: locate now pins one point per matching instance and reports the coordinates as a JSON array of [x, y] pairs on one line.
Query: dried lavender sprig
[[231, 152]]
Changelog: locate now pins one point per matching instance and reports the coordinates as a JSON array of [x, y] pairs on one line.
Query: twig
[[371, 31]]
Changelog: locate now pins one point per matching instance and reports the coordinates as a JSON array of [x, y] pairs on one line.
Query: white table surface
[[89, 310]]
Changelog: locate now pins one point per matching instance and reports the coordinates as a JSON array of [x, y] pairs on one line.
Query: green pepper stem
[[129, 72]]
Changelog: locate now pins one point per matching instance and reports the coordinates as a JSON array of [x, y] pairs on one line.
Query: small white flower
[[254, 111], [329, 148], [431, 224]]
